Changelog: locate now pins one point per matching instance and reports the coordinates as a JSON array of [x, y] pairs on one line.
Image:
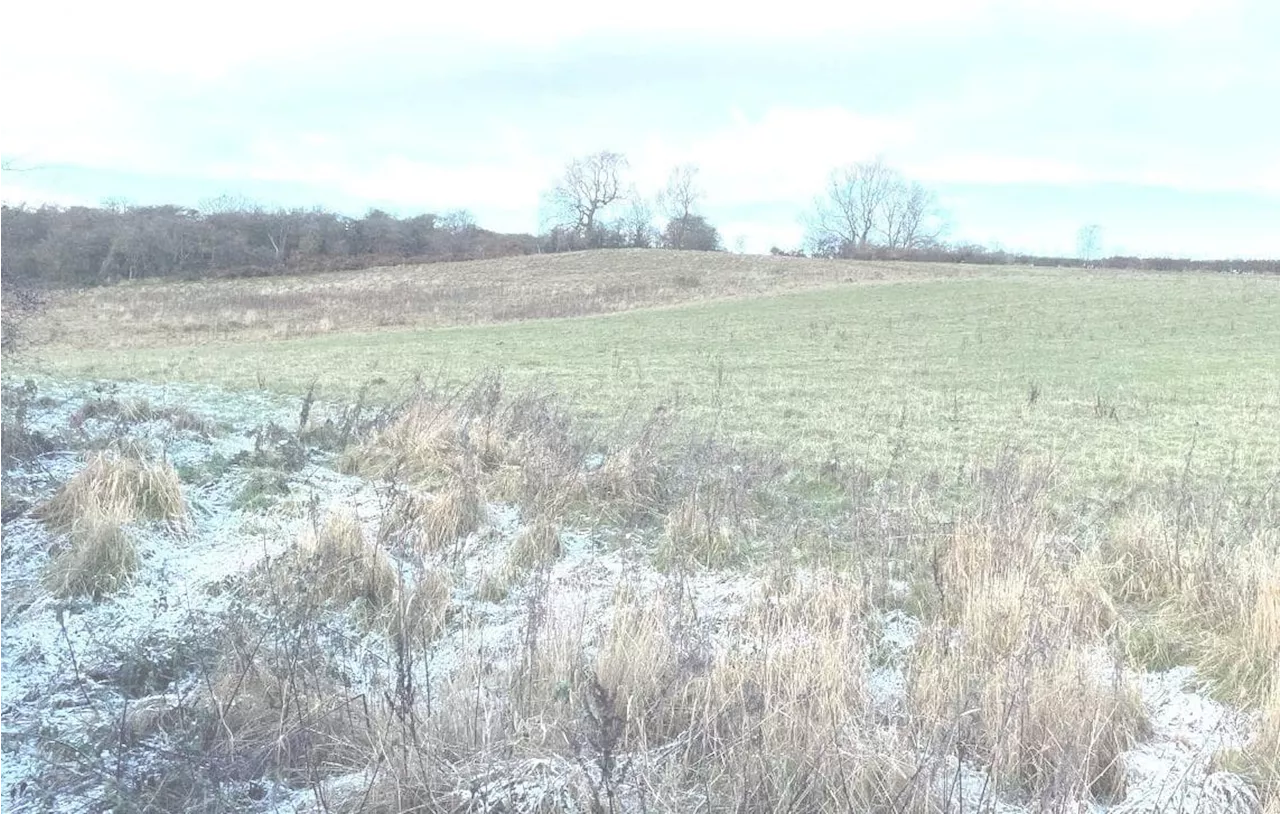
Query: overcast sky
[[1157, 120]]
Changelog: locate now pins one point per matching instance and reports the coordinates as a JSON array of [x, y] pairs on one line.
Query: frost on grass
[[423, 623]]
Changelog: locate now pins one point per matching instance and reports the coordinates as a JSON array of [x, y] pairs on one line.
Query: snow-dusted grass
[[123, 482], [336, 563], [352, 646], [98, 557]]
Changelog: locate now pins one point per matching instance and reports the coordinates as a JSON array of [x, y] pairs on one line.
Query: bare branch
[[588, 186], [678, 201], [870, 203]]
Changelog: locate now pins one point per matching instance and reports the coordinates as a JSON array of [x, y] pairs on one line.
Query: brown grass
[[1010, 671], [453, 513], [132, 411], [337, 563], [270, 714], [120, 480], [149, 314], [423, 611], [774, 717], [1027, 616], [100, 556], [701, 529], [116, 487], [535, 545]]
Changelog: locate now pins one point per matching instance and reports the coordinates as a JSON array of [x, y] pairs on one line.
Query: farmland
[[1111, 372], [648, 531]]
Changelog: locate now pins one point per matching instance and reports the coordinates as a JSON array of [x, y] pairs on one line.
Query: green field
[[1114, 376]]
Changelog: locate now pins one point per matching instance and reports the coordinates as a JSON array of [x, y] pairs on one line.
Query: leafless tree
[[1089, 243], [588, 186], [852, 209], [871, 204], [636, 226], [910, 219], [457, 222], [679, 200]]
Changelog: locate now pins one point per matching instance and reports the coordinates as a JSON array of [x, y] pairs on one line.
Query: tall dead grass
[[94, 509], [338, 563], [1013, 671], [99, 558], [639, 705]]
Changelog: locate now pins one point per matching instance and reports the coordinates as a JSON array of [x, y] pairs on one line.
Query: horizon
[[1028, 121]]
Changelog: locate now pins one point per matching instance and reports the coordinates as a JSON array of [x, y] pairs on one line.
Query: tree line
[[866, 210], [81, 245]]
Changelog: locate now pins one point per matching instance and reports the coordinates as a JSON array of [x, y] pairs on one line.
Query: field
[[1110, 372], [634, 531]]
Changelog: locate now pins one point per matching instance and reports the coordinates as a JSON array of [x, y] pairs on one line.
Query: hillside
[[151, 314]]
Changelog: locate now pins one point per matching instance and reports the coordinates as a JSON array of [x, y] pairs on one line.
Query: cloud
[[782, 155], [479, 105], [1000, 169]]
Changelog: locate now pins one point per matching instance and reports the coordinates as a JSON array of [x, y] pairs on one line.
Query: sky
[[1158, 121]]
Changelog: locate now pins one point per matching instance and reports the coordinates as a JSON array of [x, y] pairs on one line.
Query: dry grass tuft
[[537, 544], [635, 478], [421, 615], [700, 530], [272, 714], [1238, 644], [453, 513], [1259, 761], [1009, 671], [493, 585], [773, 714], [339, 564], [423, 444], [1265, 748], [115, 488], [134, 411], [119, 481], [1188, 598], [401, 518], [100, 558]]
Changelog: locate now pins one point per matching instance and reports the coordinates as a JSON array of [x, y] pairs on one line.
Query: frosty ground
[[107, 700]]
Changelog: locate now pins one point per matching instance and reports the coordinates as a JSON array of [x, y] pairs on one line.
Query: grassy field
[[1114, 375], [905, 538]]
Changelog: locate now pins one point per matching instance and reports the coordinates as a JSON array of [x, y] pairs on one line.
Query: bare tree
[[871, 204], [851, 211], [679, 201], [1089, 243], [588, 186], [909, 218], [457, 222], [636, 226]]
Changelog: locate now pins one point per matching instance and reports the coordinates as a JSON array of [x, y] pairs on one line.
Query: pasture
[[648, 531], [1115, 375]]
